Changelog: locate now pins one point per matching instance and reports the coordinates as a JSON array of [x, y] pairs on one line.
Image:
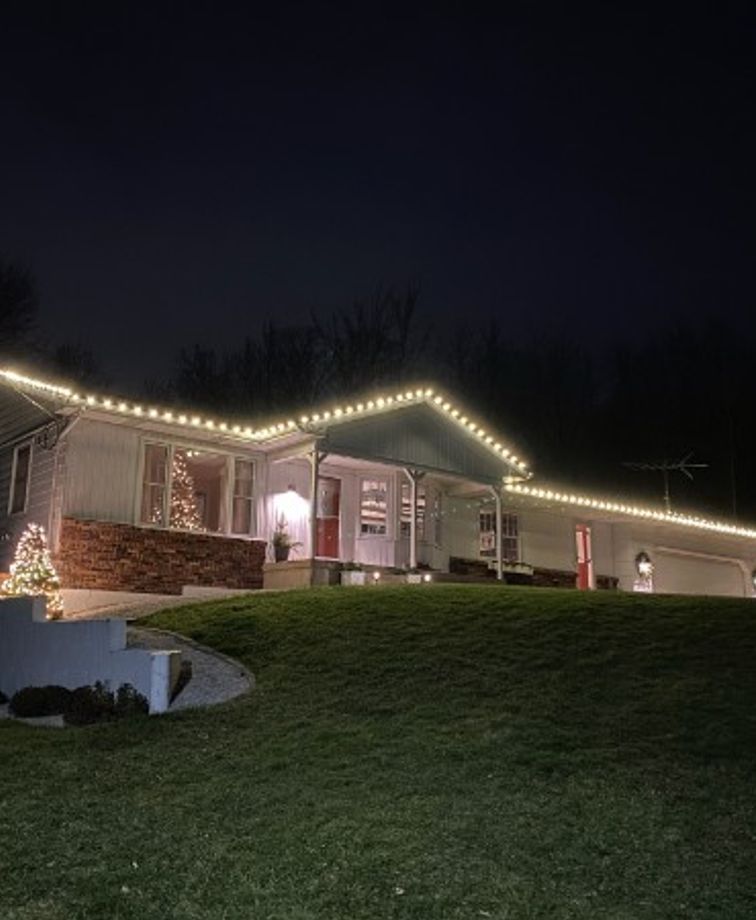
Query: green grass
[[423, 752]]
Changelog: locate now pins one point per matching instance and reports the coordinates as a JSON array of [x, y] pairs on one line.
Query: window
[[373, 506], [154, 484], [189, 489], [243, 503], [198, 489], [20, 479], [428, 507], [510, 550], [406, 513], [436, 517]]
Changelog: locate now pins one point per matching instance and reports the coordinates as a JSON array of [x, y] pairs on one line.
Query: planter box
[[353, 577]]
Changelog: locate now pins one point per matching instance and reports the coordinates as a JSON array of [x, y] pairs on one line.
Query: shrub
[[40, 701], [3, 698], [129, 702], [98, 704], [81, 706]]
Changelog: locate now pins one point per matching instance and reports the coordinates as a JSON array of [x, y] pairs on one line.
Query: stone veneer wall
[[120, 557]]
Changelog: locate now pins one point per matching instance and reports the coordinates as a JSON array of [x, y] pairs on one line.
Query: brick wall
[[121, 557]]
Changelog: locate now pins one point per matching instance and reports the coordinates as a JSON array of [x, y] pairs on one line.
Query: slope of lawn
[[423, 752]]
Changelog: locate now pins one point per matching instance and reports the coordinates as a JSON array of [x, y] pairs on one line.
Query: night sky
[[177, 173]]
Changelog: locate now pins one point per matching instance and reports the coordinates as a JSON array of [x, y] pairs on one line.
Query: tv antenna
[[665, 467]]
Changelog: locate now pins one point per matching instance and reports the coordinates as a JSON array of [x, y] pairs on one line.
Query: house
[[141, 498]]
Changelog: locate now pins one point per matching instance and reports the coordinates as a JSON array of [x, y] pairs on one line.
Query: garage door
[[679, 574]]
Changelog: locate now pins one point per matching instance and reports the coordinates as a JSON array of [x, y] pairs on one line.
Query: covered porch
[[341, 511]]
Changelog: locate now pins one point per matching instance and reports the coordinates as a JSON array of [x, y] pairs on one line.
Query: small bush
[[3, 698], [81, 706], [128, 702], [98, 704], [51, 700]]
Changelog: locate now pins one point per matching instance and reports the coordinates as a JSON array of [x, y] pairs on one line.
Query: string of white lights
[[317, 420], [636, 511]]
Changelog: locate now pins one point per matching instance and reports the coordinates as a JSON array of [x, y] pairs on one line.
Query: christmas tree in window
[[32, 571], [184, 512]]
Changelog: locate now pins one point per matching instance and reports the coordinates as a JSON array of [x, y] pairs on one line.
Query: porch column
[[414, 477], [315, 458], [499, 535]]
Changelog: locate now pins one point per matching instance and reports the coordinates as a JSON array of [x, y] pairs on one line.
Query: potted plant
[[352, 573], [282, 542]]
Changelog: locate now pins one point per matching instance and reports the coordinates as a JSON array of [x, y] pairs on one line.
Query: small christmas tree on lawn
[[32, 571], [184, 513]]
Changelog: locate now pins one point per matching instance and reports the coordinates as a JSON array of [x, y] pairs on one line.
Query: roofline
[[416, 395], [639, 512]]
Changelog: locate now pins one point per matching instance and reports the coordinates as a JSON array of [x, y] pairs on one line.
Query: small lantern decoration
[[644, 568]]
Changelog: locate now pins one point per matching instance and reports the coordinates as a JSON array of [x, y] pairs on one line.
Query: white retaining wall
[[35, 651]]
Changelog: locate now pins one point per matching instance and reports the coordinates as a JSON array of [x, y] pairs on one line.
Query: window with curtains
[[187, 488], [373, 506], [19, 493]]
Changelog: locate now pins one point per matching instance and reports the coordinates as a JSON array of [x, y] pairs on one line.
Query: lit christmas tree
[[184, 513], [32, 571]]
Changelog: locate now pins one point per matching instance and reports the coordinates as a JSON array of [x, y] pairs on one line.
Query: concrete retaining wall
[[35, 651]]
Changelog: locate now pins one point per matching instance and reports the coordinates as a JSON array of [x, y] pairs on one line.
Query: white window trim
[[228, 500], [12, 489]]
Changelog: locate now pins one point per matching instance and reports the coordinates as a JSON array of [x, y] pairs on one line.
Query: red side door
[[329, 507], [584, 579]]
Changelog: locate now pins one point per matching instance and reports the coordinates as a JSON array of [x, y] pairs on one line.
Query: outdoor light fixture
[[643, 565], [645, 569], [427, 577], [376, 577]]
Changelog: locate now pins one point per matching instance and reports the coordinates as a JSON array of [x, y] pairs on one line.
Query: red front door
[[329, 505], [584, 578]]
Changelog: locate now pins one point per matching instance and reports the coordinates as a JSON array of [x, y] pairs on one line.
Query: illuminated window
[[199, 480], [20, 482], [510, 549], [188, 489], [373, 506], [243, 505]]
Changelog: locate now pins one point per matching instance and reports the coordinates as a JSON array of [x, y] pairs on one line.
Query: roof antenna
[[665, 467]]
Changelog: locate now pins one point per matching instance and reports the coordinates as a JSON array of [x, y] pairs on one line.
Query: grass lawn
[[419, 752]]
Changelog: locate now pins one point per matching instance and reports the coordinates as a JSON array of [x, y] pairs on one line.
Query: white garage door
[[680, 574]]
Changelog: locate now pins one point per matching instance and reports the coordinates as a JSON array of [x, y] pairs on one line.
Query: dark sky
[[180, 172]]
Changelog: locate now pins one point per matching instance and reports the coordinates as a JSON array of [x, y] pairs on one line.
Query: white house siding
[[547, 541], [102, 470], [39, 506]]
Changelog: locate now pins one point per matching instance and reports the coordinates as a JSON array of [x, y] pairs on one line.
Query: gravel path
[[215, 677]]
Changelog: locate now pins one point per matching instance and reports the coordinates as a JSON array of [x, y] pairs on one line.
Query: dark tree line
[[577, 415]]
